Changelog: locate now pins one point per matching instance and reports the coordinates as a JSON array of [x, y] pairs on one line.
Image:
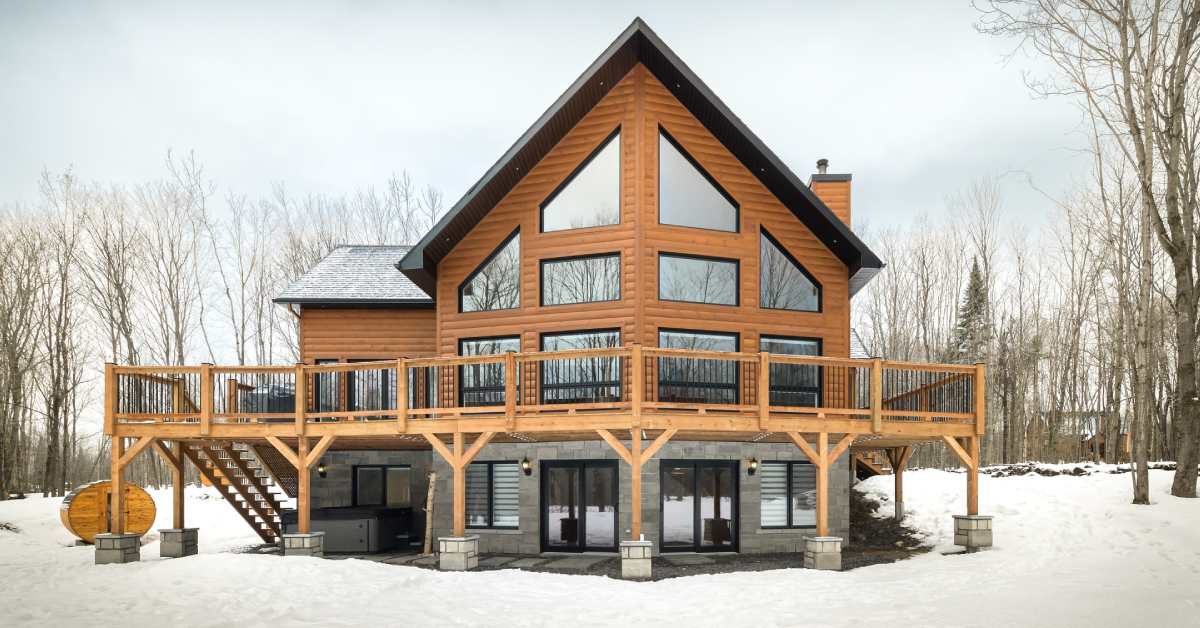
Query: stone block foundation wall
[[752, 539]]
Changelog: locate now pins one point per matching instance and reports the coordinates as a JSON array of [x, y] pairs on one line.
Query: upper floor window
[[496, 284], [697, 279], [591, 379], [581, 279], [483, 384], [687, 195], [591, 196], [697, 380], [793, 384], [783, 284]]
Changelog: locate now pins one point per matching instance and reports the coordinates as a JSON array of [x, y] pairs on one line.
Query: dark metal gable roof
[[636, 44]]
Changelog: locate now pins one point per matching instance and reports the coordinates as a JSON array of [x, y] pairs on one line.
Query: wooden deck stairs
[[239, 476], [870, 463], [281, 472]]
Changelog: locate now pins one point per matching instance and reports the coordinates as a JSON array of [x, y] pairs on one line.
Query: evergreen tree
[[971, 333]]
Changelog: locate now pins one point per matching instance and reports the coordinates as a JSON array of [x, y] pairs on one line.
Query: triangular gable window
[[687, 195], [591, 196], [496, 284], [783, 284]]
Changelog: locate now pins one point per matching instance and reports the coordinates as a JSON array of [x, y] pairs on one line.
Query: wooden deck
[[637, 395]]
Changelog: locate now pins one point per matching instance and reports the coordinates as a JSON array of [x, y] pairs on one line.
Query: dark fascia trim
[[828, 177], [351, 302], [638, 43], [616, 134], [803, 271]]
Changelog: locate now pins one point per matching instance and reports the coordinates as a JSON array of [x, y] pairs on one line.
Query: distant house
[[636, 324]]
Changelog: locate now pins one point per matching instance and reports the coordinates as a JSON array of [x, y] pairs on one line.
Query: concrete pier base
[[311, 544], [973, 532], [178, 542], [458, 553], [823, 552], [635, 560], [118, 548]]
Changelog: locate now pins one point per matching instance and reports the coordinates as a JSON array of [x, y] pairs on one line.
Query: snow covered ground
[[1070, 551]]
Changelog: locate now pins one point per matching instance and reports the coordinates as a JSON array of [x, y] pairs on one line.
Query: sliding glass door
[[699, 505], [579, 505]]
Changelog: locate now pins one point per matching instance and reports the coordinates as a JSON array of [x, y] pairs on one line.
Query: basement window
[[383, 485], [789, 494], [493, 495]]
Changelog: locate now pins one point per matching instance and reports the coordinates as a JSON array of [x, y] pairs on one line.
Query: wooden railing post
[[764, 390], [510, 390], [110, 398], [402, 395], [301, 403], [980, 398], [637, 383], [206, 398], [876, 395]]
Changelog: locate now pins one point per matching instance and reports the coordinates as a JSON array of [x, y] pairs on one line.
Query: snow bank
[[1069, 551]]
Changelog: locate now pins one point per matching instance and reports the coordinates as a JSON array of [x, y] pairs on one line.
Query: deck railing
[[585, 381]]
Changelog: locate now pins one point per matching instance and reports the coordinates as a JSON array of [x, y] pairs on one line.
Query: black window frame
[[386, 387], [615, 134], [319, 379], [820, 369], [574, 332], [737, 207], [461, 369], [763, 233], [516, 233], [491, 495], [737, 277], [737, 365], [787, 497], [570, 258], [383, 485]]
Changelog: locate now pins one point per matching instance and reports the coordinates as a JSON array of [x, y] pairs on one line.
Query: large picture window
[[788, 494], [793, 384], [697, 279], [591, 196], [383, 485], [483, 384], [493, 495], [585, 279], [586, 379], [496, 284], [783, 284], [687, 195], [696, 380]]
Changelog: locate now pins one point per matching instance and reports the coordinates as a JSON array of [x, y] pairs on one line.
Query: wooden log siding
[[639, 104], [367, 333]]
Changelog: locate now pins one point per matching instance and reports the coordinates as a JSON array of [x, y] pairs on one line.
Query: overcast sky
[[328, 97]]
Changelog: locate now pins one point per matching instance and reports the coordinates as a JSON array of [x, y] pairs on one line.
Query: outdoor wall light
[[527, 466], [752, 466], [321, 468]]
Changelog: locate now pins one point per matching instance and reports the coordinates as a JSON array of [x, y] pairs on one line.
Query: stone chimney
[[832, 189]]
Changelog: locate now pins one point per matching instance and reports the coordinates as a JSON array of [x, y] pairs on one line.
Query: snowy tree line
[[168, 271]]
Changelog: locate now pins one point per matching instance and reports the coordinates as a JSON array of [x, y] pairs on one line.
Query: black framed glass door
[[699, 501], [579, 505]]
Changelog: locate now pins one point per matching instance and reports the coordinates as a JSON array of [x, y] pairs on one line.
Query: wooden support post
[[110, 398], [206, 399], [823, 485], [637, 377], [510, 390], [973, 477], [980, 398], [898, 458], [402, 395], [635, 491], [301, 403], [460, 488], [876, 395], [177, 480], [764, 391], [304, 490], [117, 499]]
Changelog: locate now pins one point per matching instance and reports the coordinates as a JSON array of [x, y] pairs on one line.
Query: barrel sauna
[[85, 510]]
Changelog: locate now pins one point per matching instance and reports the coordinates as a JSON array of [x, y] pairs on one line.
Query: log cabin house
[[632, 332]]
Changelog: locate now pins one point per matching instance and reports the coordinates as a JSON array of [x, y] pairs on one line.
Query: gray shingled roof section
[[858, 350], [356, 274]]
